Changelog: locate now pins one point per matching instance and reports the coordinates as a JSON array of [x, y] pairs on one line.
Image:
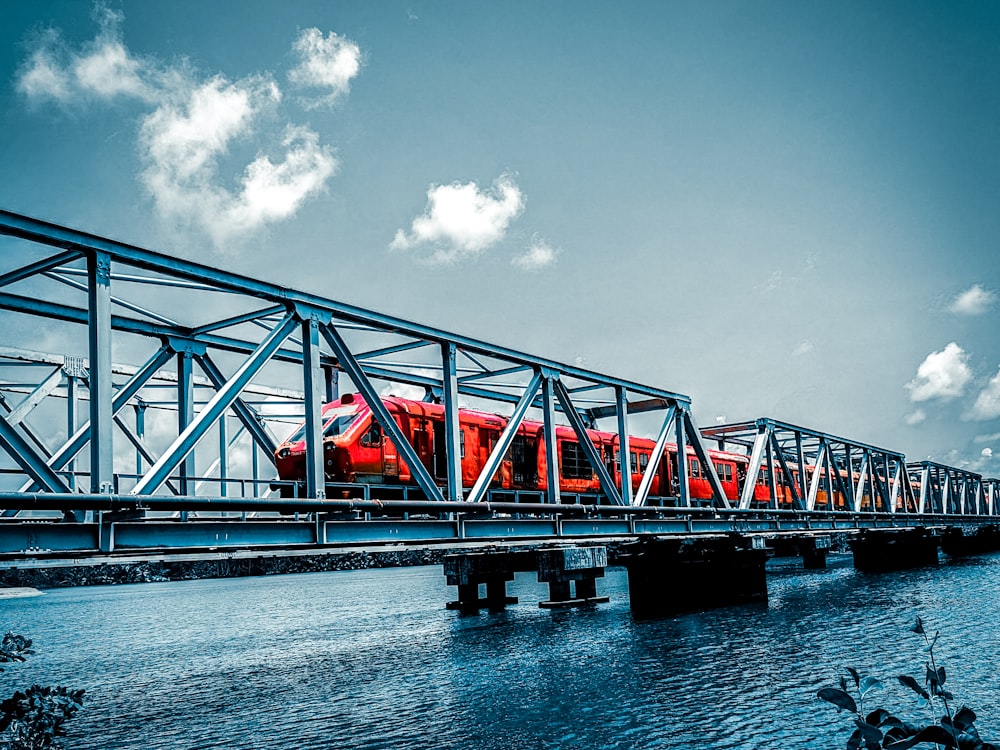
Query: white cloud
[[539, 255], [987, 453], [461, 220], [986, 438], [803, 348], [941, 375], [973, 301], [191, 126], [915, 417], [325, 63], [987, 405]]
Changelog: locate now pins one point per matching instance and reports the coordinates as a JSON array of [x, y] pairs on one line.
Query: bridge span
[[180, 451]]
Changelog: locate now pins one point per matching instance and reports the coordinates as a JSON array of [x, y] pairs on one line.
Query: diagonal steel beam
[[223, 399], [140, 447], [33, 399], [382, 415], [607, 483], [698, 443], [39, 267], [245, 413], [26, 457], [478, 491], [760, 444], [81, 437], [642, 493]]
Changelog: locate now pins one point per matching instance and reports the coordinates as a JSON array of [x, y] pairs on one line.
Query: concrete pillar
[[880, 550], [959, 542], [469, 571], [813, 550], [569, 567], [670, 576]]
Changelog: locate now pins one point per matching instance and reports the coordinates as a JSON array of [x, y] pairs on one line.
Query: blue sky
[[785, 209]]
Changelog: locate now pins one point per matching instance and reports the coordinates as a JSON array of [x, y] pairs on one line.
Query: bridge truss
[[221, 332]]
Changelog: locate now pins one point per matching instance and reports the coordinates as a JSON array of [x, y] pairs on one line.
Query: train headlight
[[283, 453]]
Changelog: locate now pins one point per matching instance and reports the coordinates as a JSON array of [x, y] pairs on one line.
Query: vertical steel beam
[[223, 456], [798, 501], [848, 481], [452, 443], [772, 482], [140, 432], [683, 477], [331, 379], [222, 400], [654, 463], [624, 467], [551, 448], [72, 404], [313, 386], [185, 412], [99, 344], [800, 456], [816, 478]]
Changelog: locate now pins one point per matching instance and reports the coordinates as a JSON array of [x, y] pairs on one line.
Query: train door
[[487, 442], [440, 452], [523, 461], [422, 444]]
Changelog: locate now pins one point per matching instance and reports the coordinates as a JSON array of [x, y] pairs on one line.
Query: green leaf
[[872, 735], [965, 718], [867, 684], [918, 628], [878, 717], [911, 683], [940, 675], [839, 698], [855, 675]]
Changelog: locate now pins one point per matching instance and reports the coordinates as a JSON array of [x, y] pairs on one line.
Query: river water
[[372, 659]]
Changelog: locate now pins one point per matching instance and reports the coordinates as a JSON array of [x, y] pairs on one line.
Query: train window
[[372, 438], [695, 465], [574, 462], [610, 459], [635, 462], [643, 461], [725, 472], [461, 442], [337, 420]]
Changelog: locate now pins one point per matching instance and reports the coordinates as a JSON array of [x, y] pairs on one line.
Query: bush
[[881, 729], [33, 719]]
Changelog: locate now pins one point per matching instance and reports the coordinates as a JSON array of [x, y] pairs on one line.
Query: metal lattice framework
[[862, 477], [947, 490], [233, 328]]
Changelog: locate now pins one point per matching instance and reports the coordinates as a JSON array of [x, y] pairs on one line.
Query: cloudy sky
[[786, 209]]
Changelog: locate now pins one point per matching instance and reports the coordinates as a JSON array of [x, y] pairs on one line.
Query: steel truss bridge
[[85, 470]]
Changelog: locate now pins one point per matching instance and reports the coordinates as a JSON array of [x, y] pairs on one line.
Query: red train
[[355, 450]]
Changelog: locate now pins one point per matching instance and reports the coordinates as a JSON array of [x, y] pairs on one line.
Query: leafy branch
[[882, 730], [33, 719]]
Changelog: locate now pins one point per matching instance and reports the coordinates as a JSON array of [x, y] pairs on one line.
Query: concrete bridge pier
[[881, 550], [670, 576], [814, 550], [959, 542], [572, 574], [469, 571]]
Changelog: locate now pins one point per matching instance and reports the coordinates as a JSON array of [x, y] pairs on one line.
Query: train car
[[355, 450]]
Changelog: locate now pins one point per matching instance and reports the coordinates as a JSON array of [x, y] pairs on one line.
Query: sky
[[782, 209]]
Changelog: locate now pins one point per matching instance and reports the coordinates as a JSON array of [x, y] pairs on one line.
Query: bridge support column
[[670, 576], [469, 571], [959, 542], [813, 550], [569, 568], [877, 551]]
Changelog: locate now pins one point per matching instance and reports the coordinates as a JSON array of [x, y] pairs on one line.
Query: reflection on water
[[371, 659]]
